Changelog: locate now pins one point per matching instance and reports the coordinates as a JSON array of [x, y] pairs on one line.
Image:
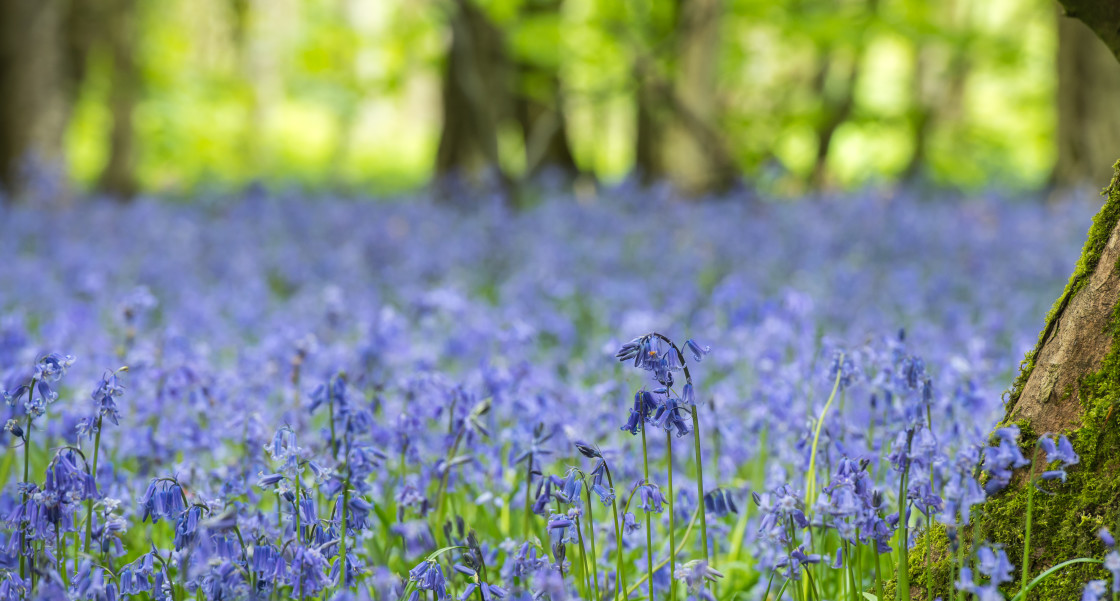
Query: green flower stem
[[672, 535], [26, 476], [583, 559], [591, 535], [297, 503], [700, 483], [620, 585], [903, 592], [879, 575], [528, 489], [649, 532], [661, 564], [89, 502]]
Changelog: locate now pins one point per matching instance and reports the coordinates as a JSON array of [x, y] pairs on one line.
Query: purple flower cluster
[[311, 408]]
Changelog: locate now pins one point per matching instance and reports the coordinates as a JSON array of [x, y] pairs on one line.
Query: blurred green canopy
[[384, 95]]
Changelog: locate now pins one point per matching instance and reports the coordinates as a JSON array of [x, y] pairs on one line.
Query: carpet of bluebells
[[274, 396]]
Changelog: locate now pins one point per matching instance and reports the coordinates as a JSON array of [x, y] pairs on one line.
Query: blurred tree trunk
[[677, 106], [1088, 107], [33, 103], [649, 128], [836, 85], [118, 178], [691, 160], [538, 99], [475, 97], [940, 77], [838, 107], [1102, 16]]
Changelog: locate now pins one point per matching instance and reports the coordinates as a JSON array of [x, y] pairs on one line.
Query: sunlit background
[[361, 95]]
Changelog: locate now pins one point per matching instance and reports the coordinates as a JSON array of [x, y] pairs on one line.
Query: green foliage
[[320, 91]]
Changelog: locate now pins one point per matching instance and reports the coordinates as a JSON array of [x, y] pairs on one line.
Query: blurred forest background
[[379, 96]]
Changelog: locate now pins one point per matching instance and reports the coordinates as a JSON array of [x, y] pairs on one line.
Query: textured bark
[[1078, 333], [1088, 106], [33, 107]]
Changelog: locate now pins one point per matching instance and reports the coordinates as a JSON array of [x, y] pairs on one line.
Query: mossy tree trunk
[[1068, 384], [33, 106]]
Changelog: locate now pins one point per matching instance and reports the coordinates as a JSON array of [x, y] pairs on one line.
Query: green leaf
[[870, 597]]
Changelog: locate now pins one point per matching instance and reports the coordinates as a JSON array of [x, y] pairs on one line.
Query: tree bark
[[33, 111], [1088, 106]]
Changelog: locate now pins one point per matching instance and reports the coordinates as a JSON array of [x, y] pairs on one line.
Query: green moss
[[941, 571], [1103, 224]]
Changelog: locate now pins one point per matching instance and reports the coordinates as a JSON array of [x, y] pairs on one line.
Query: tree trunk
[[677, 110], [689, 160], [475, 98], [33, 105], [649, 129], [538, 103], [837, 109], [1102, 16], [1088, 106], [119, 175]]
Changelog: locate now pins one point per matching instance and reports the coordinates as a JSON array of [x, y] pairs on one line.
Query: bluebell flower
[[428, 576], [162, 499], [651, 497], [644, 405], [1112, 564], [1095, 590], [11, 587], [1061, 453], [1106, 537], [719, 503], [523, 562], [995, 565], [1002, 460], [354, 567], [91, 582], [224, 581], [268, 564], [186, 528], [104, 396], [606, 495], [698, 352], [630, 524], [307, 573]]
